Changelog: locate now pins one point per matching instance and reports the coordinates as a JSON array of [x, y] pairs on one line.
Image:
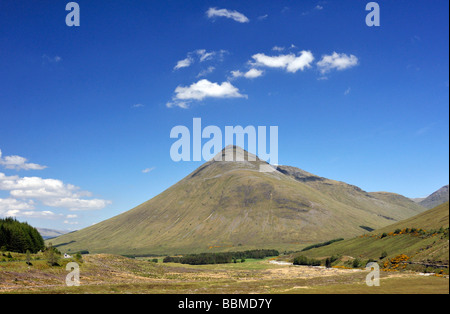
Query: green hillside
[[423, 238], [229, 206]]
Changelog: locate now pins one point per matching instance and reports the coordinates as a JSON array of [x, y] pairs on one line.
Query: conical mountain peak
[[235, 153]]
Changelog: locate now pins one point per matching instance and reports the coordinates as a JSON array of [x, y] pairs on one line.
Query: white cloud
[[137, 105], [234, 15], [183, 63], [50, 192], [201, 90], [337, 61], [76, 204], [10, 207], [71, 216], [252, 73], [39, 214], [290, 63], [18, 163], [347, 91]]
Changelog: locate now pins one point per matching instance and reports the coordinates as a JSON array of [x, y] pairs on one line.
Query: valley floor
[[115, 274]]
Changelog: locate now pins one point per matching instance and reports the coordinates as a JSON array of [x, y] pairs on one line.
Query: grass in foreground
[[107, 274]]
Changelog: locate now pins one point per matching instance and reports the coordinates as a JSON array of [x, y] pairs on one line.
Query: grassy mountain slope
[[232, 205], [421, 247], [390, 206]]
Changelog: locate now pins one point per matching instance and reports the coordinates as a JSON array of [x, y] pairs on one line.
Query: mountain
[[437, 198], [50, 233], [427, 246], [233, 206]]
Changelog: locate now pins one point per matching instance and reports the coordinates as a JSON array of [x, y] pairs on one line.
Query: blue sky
[[86, 112]]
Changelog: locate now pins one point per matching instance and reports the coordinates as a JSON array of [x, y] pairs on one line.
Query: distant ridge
[[50, 233], [437, 198]]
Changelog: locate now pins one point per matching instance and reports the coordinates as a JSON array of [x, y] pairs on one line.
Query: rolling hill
[[423, 238], [233, 206]]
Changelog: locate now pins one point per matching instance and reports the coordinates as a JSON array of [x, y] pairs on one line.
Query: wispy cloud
[[263, 17], [183, 63], [425, 129], [147, 170], [277, 48], [48, 59], [200, 55], [137, 106], [234, 15], [207, 71], [211, 55], [318, 7], [347, 91], [18, 163]]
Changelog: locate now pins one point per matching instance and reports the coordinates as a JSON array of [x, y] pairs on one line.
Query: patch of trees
[[220, 258], [304, 261], [321, 244], [19, 237]]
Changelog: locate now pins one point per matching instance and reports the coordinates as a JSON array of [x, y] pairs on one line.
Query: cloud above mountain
[[203, 89], [18, 163], [234, 15], [337, 61], [291, 62]]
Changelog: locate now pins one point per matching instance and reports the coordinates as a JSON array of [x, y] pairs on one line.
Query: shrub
[[356, 263]]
